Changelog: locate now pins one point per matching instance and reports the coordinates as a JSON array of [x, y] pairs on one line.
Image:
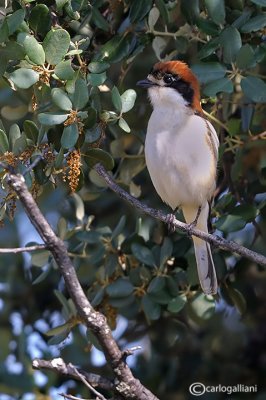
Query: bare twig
[[125, 383], [158, 214], [23, 249], [84, 380], [58, 365]]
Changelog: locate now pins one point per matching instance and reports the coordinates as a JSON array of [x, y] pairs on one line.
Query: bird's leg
[[170, 223], [193, 224]]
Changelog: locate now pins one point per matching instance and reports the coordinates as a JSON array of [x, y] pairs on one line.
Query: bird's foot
[[193, 224], [171, 223]]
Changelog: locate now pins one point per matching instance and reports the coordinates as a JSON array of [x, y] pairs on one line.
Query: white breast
[[180, 156]]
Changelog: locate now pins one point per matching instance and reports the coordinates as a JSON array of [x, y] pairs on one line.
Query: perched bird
[[181, 151]]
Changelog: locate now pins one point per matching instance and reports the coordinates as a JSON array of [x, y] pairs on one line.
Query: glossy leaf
[[33, 49], [14, 134], [70, 136], [94, 156], [220, 85], [254, 24], [124, 125], [122, 287], [40, 20], [116, 49], [64, 70], [15, 20], [166, 251], [231, 42], [52, 118], [99, 20], [151, 309], [216, 10], [81, 95], [116, 99], [61, 99], [31, 130], [254, 88], [156, 284], [245, 57], [207, 72], [208, 48], [139, 9], [4, 145], [97, 79], [119, 227], [98, 67], [24, 78], [177, 304], [143, 254], [163, 10], [40, 258], [128, 99], [56, 44]]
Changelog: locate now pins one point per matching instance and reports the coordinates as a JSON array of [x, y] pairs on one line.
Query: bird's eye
[[168, 79]]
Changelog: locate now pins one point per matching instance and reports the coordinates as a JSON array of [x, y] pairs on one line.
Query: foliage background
[[85, 57]]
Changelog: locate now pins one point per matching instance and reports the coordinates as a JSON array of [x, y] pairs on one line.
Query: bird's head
[[173, 82]]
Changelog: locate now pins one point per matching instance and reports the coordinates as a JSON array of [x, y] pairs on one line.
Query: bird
[[181, 151]]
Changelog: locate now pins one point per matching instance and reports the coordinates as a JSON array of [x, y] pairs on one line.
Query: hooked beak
[[146, 83]]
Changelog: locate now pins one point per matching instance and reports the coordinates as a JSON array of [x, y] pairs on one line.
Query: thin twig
[[84, 380], [158, 214], [16, 250], [58, 365]]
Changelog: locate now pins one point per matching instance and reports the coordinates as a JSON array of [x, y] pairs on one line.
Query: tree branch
[[23, 249], [158, 214], [59, 366], [125, 383]]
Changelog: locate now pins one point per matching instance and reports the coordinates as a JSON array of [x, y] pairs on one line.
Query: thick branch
[[59, 366], [125, 383], [158, 214], [23, 249]]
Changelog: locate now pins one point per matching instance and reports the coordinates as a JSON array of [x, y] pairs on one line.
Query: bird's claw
[[171, 223]]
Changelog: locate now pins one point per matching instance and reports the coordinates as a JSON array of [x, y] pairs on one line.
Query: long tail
[[205, 265]]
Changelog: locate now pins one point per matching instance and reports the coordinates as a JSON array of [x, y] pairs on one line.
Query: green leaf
[[128, 99], [166, 251], [220, 85], [61, 99], [14, 134], [230, 223], [116, 99], [40, 258], [143, 254], [20, 144], [254, 24], [64, 70], [208, 48], [40, 20], [261, 3], [231, 43], [201, 307], [245, 57], [24, 78], [207, 72], [216, 10], [190, 9], [91, 118], [254, 88], [119, 227], [99, 20], [207, 26], [14, 20], [91, 237], [52, 118], [4, 31], [122, 287], [81, 95], [163, 10], [70, 136], [177, 304], [116, 49], [246, 211], [156, 284], [31, 130], [4, 145], [12, 51], [33, 49], [139, 9], [154, 15], [96, 67], [151, 309], [57, 339], [56, 44], [124, 125], [58, 329], [97, 79], [94, 156]]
